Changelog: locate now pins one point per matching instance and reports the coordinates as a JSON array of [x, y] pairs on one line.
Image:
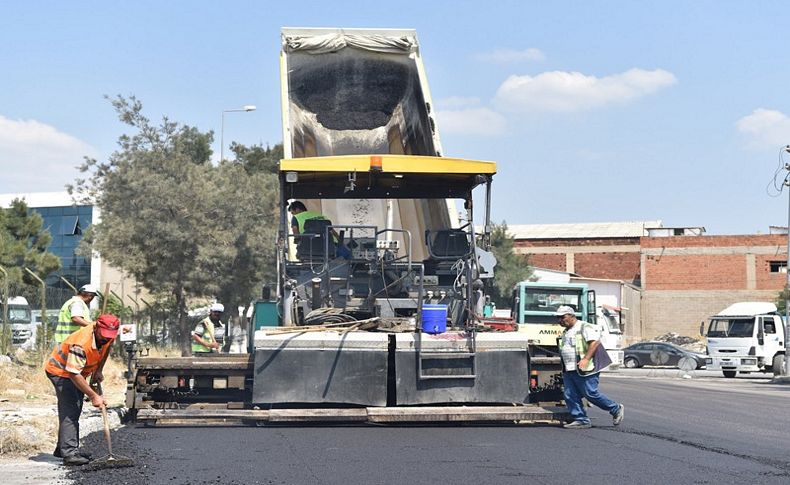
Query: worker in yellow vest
[[209, 334], [75, 313], [300, 215], [81, 354], [583, 357]]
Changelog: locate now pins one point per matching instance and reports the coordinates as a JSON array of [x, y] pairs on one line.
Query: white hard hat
[[216, 307], [565, 310], [89, 288]]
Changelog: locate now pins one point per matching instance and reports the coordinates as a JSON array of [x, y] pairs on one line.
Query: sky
[[595, 111]]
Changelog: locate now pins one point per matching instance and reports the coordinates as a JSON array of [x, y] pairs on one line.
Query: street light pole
[[787, 272], [248, 107]]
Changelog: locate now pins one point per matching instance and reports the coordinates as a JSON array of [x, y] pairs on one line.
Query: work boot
[[75, 460], [82, 453], [577, 425], [618, 417]]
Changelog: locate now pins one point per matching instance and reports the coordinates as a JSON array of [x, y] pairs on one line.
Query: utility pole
[[786, 183]]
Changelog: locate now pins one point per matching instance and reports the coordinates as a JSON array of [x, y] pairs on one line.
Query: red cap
[[108, 325]]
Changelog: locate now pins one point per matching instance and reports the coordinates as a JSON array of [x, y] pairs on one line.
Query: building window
[[71, 226], [778, 266]]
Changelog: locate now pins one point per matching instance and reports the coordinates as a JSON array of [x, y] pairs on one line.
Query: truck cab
[[746, 337], [20, 319], [534, 304], [612, 333]]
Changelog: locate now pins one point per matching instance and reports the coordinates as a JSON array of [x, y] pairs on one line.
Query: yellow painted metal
[[541, 334], [397, 164]]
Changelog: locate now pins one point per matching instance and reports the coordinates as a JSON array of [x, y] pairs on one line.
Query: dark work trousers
[[69, 410]]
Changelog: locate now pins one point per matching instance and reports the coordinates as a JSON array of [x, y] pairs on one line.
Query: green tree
[[256, 158], [247, 253], [174, 221], [781, 300], [510, 268], [24, 243]]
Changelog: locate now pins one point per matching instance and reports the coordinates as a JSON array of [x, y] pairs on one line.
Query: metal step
[[446, 357]]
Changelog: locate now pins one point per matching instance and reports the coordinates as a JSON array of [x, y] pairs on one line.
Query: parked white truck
[[746, 337], [19, 317]]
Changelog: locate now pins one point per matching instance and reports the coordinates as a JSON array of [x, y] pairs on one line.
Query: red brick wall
[[548, 261], [765, 279], [712, 268], [613, 241], [714, 241], [696, 272], [607, 265], [612, 266]]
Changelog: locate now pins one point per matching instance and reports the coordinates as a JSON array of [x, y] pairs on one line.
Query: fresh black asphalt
[[675, 431]]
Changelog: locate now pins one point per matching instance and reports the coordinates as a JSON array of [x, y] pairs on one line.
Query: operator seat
[[312, 243], [445, 247], [448, 244]]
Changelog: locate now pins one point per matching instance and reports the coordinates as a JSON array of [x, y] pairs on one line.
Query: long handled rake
[[111, 460]]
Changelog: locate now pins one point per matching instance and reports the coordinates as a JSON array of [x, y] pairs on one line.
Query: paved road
[[699, 430]]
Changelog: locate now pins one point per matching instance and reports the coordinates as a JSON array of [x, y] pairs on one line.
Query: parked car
[[660, 353]]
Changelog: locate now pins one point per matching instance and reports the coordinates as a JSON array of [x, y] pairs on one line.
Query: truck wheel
[[631, 363], [779, 364], [729, 373]]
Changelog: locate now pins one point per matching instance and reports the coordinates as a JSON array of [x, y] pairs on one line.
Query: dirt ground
[[28, 408]]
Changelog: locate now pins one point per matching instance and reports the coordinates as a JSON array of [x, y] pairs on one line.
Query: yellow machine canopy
[[382, 177]]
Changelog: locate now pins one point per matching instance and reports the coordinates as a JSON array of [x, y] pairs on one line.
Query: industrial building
[[684, 275]]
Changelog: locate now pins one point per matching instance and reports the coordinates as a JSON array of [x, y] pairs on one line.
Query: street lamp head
[[249, 107]]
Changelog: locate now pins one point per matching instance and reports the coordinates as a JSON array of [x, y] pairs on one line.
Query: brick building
[[685, 279], [607, 250], [685, 276]]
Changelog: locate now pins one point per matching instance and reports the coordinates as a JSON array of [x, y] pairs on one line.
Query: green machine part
[[266, 314]]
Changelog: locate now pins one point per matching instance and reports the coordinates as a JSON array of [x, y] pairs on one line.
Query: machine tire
[[778, 364], [729, 374], [631, 363]]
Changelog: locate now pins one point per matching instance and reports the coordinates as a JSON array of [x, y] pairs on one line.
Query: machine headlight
[[749, 361], [708, 360]]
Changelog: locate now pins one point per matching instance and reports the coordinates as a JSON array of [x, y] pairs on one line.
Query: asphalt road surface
[[698, 430]]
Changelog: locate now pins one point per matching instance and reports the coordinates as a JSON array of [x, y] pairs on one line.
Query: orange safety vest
[[56, 364]]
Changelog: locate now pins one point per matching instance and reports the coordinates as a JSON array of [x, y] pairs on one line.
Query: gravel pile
[[688, 343]]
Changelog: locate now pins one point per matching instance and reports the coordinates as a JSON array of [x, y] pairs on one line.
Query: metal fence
[[156, 318]]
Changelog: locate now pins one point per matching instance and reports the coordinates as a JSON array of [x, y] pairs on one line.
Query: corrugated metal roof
[[586, 230]]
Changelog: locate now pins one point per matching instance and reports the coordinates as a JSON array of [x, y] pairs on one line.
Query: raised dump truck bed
[[361, 92]]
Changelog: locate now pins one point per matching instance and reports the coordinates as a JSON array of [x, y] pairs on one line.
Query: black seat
[[312, 243], [448, 244]]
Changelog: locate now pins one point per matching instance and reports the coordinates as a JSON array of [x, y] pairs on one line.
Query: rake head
[[109, 461]]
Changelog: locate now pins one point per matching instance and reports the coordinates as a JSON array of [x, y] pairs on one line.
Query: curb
[[92, 420], [780, 380]]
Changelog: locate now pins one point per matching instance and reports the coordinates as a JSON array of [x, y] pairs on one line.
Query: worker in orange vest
[[83, 353]]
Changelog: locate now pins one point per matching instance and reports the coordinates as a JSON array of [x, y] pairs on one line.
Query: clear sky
[[595, 111]]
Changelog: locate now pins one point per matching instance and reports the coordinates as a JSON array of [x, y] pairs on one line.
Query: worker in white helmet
[[210, 332], [75, 313]]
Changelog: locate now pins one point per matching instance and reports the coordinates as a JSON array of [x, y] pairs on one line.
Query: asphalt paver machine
[[377, 312]]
